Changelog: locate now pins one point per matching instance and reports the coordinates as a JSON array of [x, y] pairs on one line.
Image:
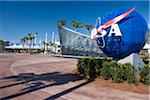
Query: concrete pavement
[[38, 77]]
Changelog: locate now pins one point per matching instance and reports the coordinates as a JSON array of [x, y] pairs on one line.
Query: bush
[[131, 78], [106, 71], [98, 66], [98, 70], [145, 75], [123, 72], [126, 69], [80, 66], [117, 75], [89, 67]]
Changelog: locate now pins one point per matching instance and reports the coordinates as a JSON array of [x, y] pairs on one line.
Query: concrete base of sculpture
[[134, 59]]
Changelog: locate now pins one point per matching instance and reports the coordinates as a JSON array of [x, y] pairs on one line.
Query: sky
[[18, 18]]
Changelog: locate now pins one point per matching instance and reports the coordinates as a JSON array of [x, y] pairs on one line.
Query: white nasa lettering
[[102, 33], [115, 29]]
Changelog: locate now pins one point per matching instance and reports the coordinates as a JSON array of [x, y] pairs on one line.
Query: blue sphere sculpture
[[134, 31]]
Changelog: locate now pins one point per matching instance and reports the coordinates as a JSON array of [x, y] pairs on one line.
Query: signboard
[[120, 33]]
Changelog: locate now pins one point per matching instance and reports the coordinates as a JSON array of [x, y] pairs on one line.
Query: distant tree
[[53, 45], [6, 43], [22, 40], [61, 22], [32, 40], [36, 37], [45, 46], [88, 27], [77, 25], [80, 24], [29, 34], [29, 39], [26, 40], [2, 42]]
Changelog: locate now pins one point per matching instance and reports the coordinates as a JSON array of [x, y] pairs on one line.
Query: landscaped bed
[[109, 73]]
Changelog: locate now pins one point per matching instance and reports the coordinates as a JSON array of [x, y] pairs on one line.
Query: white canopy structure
[[21, 46]]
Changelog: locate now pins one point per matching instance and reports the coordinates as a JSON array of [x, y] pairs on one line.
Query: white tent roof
[[147, 46], [20, 46]]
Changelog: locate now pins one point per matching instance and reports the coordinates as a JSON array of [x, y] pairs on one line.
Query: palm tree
[[26, 42], [29, 39], [6, 43], [32, 40], [45, 46], [2, 42], [22, 40], [36, 36], [53, 45], [61, 22], [76, 25], [80, 24], [26, 39], [88, 27]]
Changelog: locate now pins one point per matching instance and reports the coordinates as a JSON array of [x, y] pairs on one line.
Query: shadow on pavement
[[54, 97], [41, 81], [10, 77]]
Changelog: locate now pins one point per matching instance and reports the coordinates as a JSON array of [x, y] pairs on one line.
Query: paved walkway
[[39, 77]]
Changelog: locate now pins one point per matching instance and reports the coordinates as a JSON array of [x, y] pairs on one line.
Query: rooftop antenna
[[40, 41], [45, 43], [36, 36], [53, 37]]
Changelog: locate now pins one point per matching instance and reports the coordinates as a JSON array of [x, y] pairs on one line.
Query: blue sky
[[19, 18]]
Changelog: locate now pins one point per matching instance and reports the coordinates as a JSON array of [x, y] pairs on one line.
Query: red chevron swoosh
[[116, 19]]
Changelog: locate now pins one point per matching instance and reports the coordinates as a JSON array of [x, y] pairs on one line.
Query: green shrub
[[131, 79], [117, 75], [80, 66], [145, 75], [89, 67], [98, 66], [126, 69], [129, 73], [98, 70], [146, 79], [123, 72], [106, 71]]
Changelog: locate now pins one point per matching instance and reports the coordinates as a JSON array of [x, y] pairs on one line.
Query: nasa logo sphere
[[121, 33]]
